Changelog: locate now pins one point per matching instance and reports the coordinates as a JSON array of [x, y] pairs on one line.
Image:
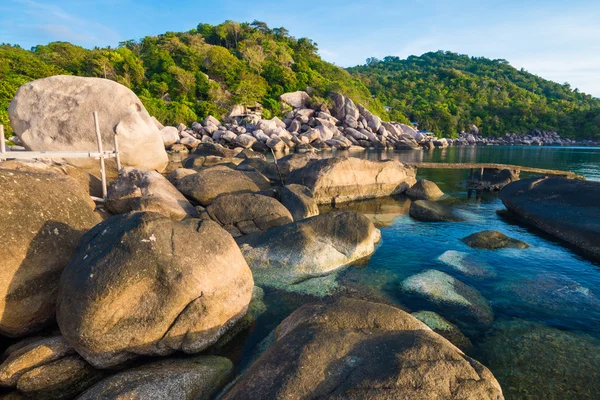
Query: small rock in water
[[493, 240], [467, 264], [424, 190], [429, 211]]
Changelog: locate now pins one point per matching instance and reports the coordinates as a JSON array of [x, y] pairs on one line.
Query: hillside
[[183, 77], [447, 92]]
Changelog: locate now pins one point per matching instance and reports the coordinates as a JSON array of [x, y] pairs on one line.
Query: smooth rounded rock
[[299, 200], [429, 211], [493, 240], [424, 190], [446, 329]]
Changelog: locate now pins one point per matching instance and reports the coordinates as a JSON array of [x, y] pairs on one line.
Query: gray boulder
[[295, 99], [244, 213], [198, 378], [299, 200], [55, 114], [568, 209], [43, 217], [136, 286], [345, 110], [429, 211], [492, 240], [424, 190], [309, 248], [138, 190], [170, 135], [286, 165], [354, 349], [342, 179]]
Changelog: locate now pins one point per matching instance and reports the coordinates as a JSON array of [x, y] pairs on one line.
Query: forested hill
[[447, 92], [183, 77]]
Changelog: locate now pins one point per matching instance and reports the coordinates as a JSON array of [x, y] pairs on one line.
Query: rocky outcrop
[[355, 349], [424, 190], [286, 165], [244, 213], [55, 114], [493, 179], [429, 211], [138, 190], [295, 99], [43, 218], [198, 378], [341, 179], [142, 284], [492, 240], [452, 298], [309, 248], [565, 208], [205, 186], [299, 200]]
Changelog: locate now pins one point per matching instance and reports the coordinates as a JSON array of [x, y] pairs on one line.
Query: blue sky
[[558, 40]]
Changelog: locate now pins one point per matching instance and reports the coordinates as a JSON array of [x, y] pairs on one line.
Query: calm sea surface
[[545, 339]]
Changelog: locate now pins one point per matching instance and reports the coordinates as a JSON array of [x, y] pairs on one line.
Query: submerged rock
[[466, 264], [342, 179], [568, 209], [142, 284], [444, 328], [493, 240], [313, 247], [198, 378], [43, 217], [424, 190], [534, 361], [355, 349], [453, 299], [429, 211], [381, 211]]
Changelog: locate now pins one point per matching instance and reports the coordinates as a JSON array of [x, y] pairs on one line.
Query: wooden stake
[[2, 143], [101, 151], [481, 175], [117, 155]]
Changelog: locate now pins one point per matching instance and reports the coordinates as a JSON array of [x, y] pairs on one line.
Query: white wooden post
[[117, 155], [102, 167], [2, 143]]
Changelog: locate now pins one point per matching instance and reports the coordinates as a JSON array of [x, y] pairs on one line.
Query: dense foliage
[[447, 92], [182, 77]]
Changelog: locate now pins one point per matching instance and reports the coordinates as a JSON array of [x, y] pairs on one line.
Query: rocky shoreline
[[136, 296]]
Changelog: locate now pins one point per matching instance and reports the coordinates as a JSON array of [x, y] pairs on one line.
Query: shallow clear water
[[545, 338]]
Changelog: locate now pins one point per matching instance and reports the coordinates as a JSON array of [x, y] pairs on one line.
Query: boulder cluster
[[534, 138]]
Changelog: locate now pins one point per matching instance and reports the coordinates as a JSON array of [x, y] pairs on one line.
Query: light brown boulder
[[245, 213], [43, 216], [342, 179], [55, 114], [299, 200], [295, 99], [354, 349], [493, 240], [424, 190], [143, 284]]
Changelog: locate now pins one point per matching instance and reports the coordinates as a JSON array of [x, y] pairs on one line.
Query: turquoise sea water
[[544, 342]]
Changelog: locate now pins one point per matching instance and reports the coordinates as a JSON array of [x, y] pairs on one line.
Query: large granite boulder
[[342, 179], [139, 190], [345, 110], [244, 213], [429, 211], [444, 328], [568, 209], [355, 349], [309, 248], [143, 284], [205, 186], [295, 99], [299, 200], [43, 216], [424, 190], [493, 240], [55, 114], [450, 297], [286, 165], [198, 378]]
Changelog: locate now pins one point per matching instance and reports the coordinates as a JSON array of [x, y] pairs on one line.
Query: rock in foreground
[[55, 114], [356, 349], [142, 284], [309, 248], [198, 378], [342, 179], [43, 215], [493, 240], [568, 209]]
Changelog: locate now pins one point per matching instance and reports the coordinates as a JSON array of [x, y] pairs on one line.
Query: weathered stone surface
[[198, 378], [295, 99], [60, 379], [248, 212], [55, 114], [32, 355], [355, 349], [286, 165], [312, 247], [429, 211], [424, 190], [136, 286], [444, 328], [493, 179], [467, 264], [299, 200], [213, 149], [341, 179], [170, 135], [43, 215], [205, 186], [565, 208], [493, 240], [179, 173], [453, 299], [138, 190]]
